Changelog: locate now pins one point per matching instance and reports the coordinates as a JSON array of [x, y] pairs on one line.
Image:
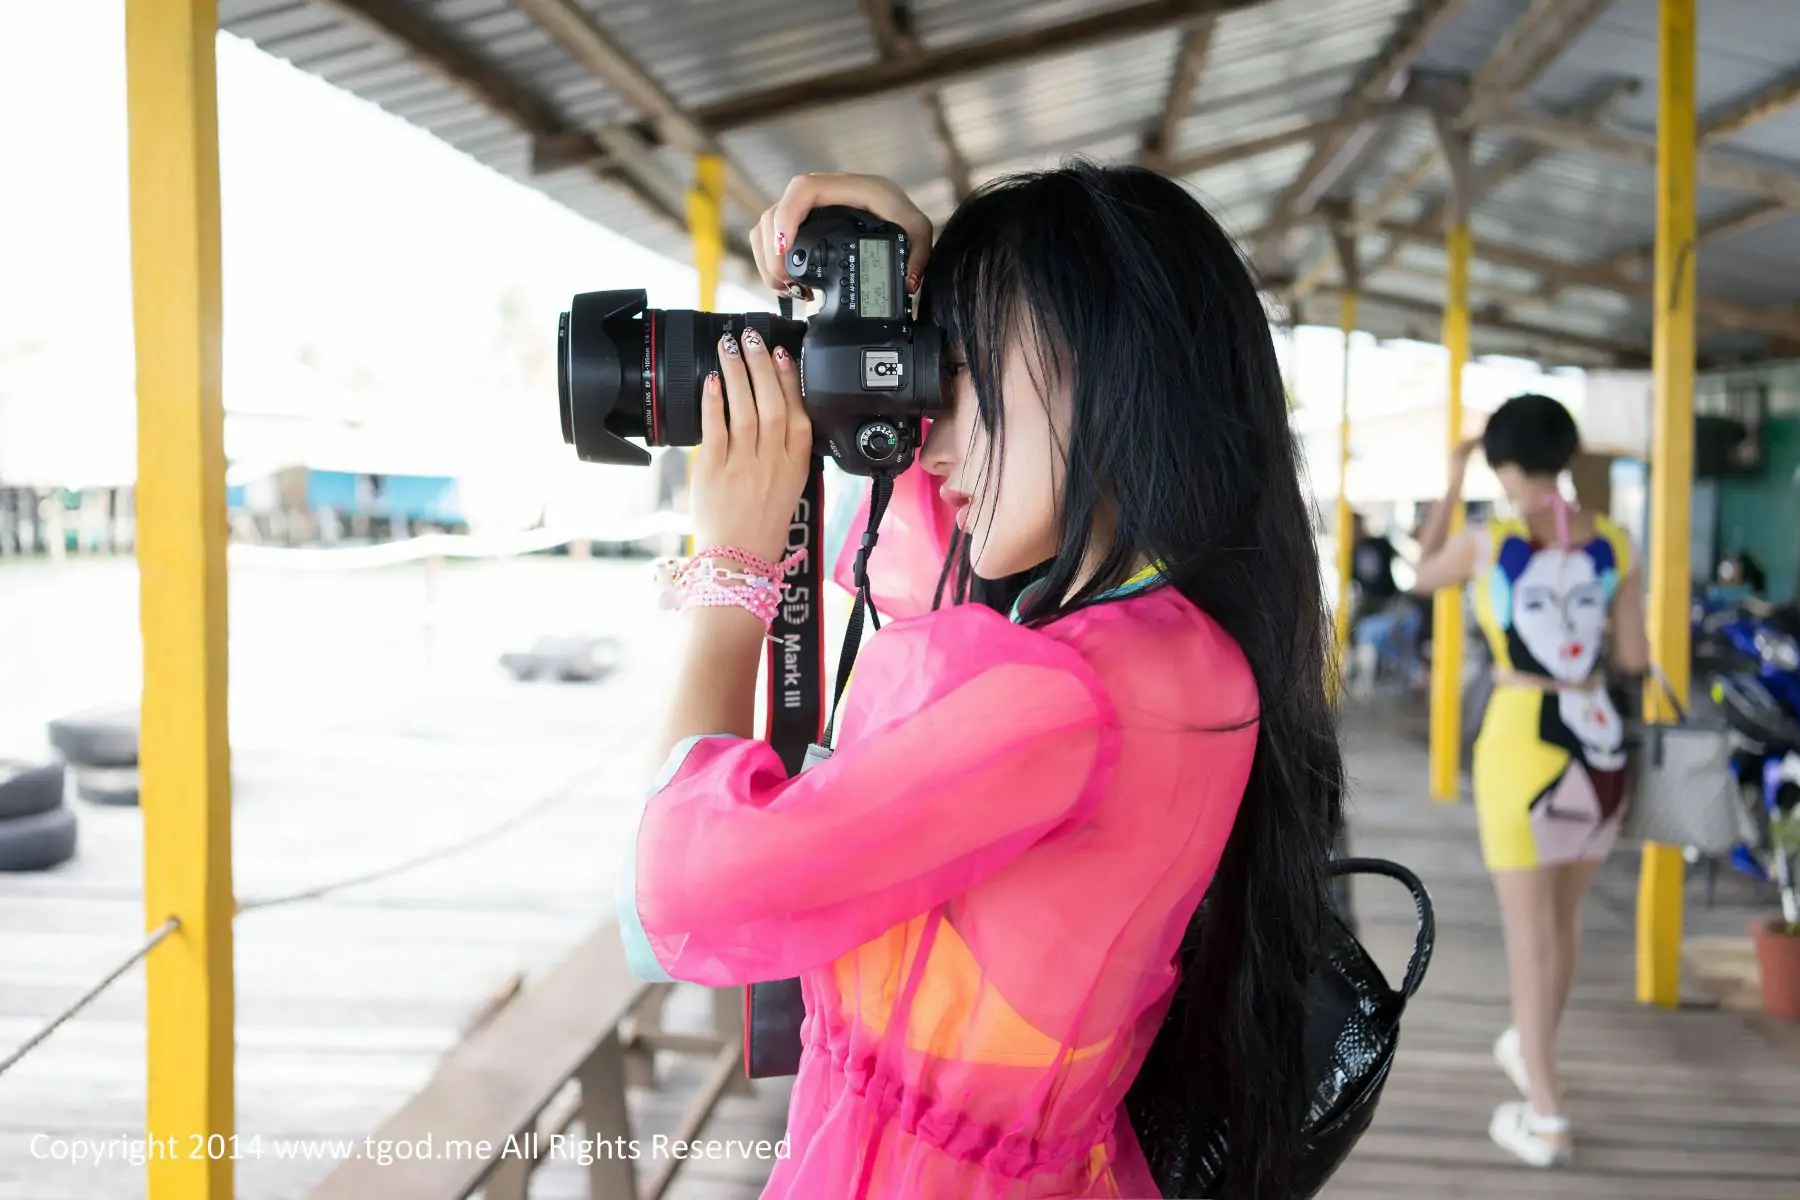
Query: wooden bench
[[587, 1020]]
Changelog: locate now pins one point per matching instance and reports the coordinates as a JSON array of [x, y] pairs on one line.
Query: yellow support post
[[1671, 472], [1345, 535], [1447, 605], [185, 754], [706, 227], [705, 203]]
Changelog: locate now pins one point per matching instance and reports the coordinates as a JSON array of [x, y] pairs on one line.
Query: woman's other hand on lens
[[755, 449], [774, 235]]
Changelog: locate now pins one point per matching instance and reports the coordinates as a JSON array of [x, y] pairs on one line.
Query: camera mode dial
[[878, 441]]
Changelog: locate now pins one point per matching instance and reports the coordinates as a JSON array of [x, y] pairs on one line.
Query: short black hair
[[1534, 433]]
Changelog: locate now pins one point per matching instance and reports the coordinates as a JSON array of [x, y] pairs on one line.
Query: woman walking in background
[[1551, 581]]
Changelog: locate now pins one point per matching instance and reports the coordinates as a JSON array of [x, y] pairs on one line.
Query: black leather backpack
[[1352, 1034]]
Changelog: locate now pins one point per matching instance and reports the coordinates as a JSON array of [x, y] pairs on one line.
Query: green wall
[[1761, 513]]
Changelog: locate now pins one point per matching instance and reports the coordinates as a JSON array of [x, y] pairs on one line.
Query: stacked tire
[[37, 827], [101, 746]]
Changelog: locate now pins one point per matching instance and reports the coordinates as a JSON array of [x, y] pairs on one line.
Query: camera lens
[[628, 371]]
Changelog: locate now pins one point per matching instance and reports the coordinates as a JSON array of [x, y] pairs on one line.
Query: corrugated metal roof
[[1270, 68]]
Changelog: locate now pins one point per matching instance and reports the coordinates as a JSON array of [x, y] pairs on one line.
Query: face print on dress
[[1553, 604], [1559, 612]]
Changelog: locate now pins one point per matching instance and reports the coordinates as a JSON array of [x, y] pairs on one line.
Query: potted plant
[[1777, 938]]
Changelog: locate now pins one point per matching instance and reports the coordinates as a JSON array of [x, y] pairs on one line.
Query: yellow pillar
[[1671, 471], [706, 227], [1345, 534], [706, 224], [1447, 605], [181, 532]]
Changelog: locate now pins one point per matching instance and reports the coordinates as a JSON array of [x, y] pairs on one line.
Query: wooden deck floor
[[350, 755], [1684, 1105]]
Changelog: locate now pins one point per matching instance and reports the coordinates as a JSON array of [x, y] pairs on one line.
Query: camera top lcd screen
[[877, 298]]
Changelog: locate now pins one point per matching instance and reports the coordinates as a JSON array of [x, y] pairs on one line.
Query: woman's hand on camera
[[752, 464], [774, 235]]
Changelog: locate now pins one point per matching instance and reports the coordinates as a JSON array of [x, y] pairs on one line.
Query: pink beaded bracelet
[[702, 582]]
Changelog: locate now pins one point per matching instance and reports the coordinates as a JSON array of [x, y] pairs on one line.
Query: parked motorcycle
[[1758, 693]]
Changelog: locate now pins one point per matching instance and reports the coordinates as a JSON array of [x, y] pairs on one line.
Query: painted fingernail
[[912, 281], [752, 339], [729, 345], [782, 356], [712, 380], [781, 243]]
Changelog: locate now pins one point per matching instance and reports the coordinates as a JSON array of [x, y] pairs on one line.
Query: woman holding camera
[[990, 890], [1553, 585]]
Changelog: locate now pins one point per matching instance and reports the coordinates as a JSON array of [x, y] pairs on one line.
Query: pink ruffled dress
[[982, 890]]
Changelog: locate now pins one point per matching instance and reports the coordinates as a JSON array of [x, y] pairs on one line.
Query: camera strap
[[796, 725], [774, 1010], [795, 711], [882, 491]]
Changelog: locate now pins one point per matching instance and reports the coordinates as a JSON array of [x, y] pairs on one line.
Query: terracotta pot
[[1778, 958]]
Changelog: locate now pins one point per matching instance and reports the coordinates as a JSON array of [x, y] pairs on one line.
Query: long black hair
[[1179, 452]]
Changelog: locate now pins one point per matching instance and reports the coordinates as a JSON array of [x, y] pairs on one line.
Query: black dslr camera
[[868, 372]]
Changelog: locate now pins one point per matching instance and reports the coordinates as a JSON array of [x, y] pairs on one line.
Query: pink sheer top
[[982, 890]]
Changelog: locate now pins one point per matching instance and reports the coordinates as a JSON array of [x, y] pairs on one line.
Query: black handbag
[[1352, 1034]]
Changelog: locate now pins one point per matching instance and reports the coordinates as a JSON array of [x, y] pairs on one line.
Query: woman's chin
[[990, 566], [994, 562]]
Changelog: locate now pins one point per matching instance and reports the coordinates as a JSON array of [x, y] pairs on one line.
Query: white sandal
[[1521, 1132], [1511, 1060]]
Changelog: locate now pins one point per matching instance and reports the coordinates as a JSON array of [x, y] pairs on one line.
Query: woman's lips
[[958, 501]]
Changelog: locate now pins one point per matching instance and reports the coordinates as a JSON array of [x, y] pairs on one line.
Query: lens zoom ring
[[680, 391]]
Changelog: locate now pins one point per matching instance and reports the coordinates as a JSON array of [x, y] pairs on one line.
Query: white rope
[[169, 925], [451, 545], [567, 790]]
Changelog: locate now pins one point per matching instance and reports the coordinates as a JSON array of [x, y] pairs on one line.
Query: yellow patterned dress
[[1549, 762]]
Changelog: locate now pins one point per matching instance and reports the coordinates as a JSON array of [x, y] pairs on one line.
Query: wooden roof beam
[[1251, 147], [1639, 150], [1512, 163], [1381, 79], [936, 68], [891, 23], [1733, 119], [615, 154], [1636, 260], [575, 28], [1607, 348], [1728, 313], [1760, 105], [433, 46], [1190, 61], [1525, 52]]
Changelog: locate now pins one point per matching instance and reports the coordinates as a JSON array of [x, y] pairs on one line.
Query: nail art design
[[729, 345], [912, 281], [782, 356], [752, 339], [712, 379], [781, 244]]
